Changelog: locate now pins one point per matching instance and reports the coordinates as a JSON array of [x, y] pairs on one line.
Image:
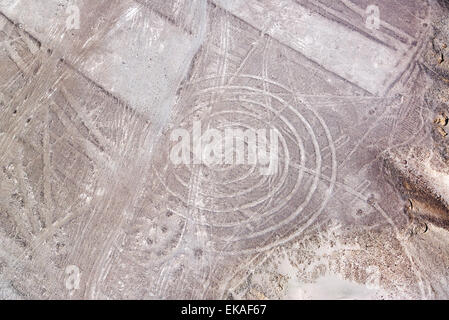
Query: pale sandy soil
[[93, 207]]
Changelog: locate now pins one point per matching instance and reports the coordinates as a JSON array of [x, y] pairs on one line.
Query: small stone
[[441, 131], [441, 120]]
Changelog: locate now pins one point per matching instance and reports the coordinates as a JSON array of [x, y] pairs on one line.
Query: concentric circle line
[[315, 183], [317, 172], [244, 192]]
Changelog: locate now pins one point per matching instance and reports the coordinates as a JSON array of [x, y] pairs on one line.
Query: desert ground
[[92, 205]]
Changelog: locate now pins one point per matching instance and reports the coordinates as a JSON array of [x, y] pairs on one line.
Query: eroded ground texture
[[93, 207]]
